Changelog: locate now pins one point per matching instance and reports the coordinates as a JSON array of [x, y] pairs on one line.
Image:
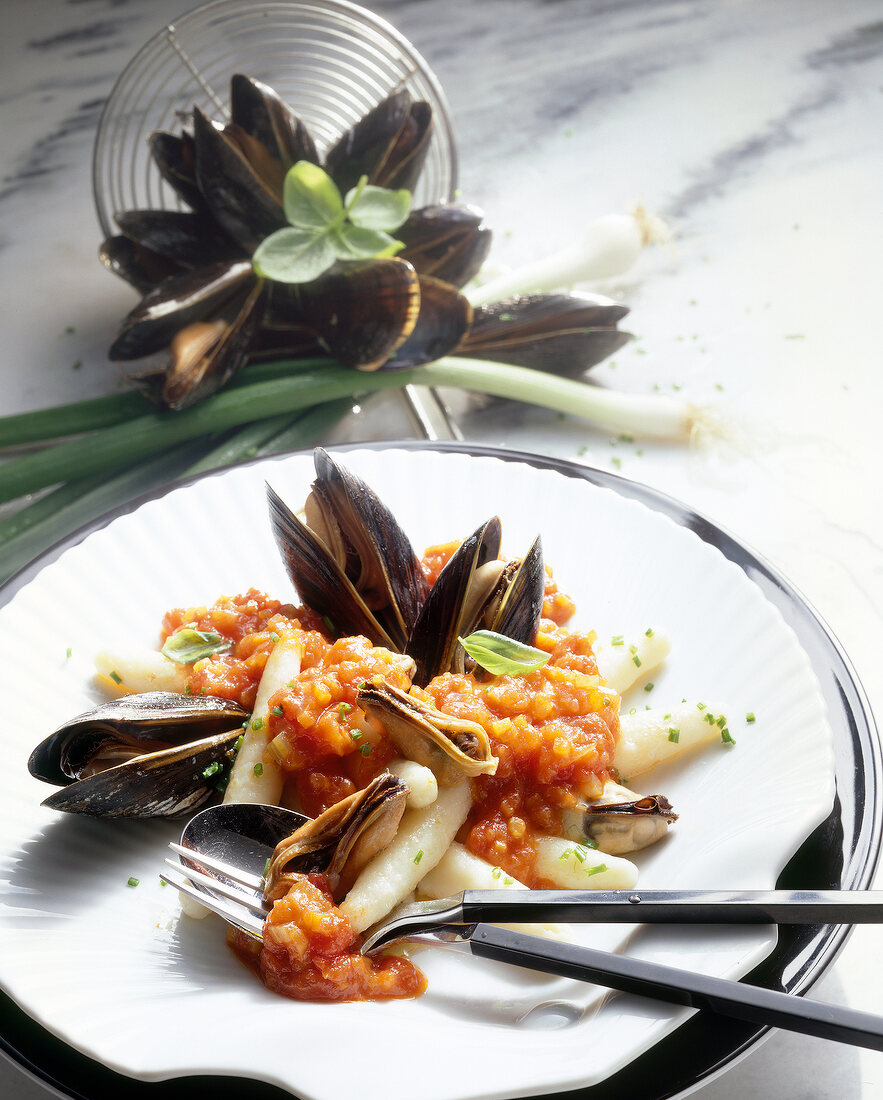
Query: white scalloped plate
[[114, 971]]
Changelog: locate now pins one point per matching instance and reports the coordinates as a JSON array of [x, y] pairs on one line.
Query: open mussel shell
[[443, 321], [452, 748], [206, 354], [477, 590], [175, 303], [265, 116], [340, 841], [448, 242], [239, 180], [618, 827], [349, 559], [547, 331], [187, 239], [389, 145], [138, 755]]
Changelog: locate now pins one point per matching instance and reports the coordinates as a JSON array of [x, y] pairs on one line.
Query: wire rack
[[331, 61]]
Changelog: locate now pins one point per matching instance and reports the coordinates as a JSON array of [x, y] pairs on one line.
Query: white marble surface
[[752, 126]]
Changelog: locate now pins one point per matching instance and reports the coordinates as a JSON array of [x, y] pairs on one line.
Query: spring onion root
[[609, 246]]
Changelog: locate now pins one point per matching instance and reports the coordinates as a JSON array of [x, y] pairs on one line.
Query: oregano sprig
[[326, 227]]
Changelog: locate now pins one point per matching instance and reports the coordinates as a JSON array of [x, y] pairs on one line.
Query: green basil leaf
[[311, 197], [188, 645], [353, 243], [500, 655], [377, 207], [294, 255]]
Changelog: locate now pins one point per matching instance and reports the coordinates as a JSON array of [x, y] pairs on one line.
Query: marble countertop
[[751, 126]]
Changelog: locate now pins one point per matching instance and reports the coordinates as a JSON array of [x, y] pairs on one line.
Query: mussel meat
[[152, 755], [452, 748], [621, 820], [340, 841]]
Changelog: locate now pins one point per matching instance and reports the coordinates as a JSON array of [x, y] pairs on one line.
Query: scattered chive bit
[[648, 687], [633, 649], [749, 717], [586, 843], [637, 661], [624, 437], [187, 689], [722, 721], [133, 881], [616, 640], [666, 717], [617, 462], [163, 882], [266, 866], [640, 351], [419, 856], [709, 718], [245, 724], [633, 710], [507, 317], [718, 386], [674, 734], [68, 653], [77, 364], [582, 451], [566, 854], [274, 637], [726, 738], [612, 364], [596, 870], [223, 783], [648, 633], [507, 881], [258, 769], [115, 676], [580, 853], [69, 329], [277, 711], [343, 709], [211, 769], [497, 871], [257, 723], [355, 734], [365, 749], [700, 706]]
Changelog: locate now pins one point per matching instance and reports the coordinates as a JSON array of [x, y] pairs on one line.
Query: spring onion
[[609, 246]]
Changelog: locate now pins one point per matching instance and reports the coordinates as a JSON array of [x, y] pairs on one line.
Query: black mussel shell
[[518, 613], [149, 717], [187, 239], [206, 354], [139, 266], [176, 302], [388, 145], [361, 311], [443, 321], [433, 640], [448, 242], [175, 157], [239, 180], [160, 784], [561, 333], [266, 117]]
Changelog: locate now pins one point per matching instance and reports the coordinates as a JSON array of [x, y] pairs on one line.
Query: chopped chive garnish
[[497, 871], [749, 717], [633, 649], [277, 711], [133, 881], [274, 637], [726, 738], [674, 734], [637, 660], [616, 640], [586, 843], [257, 724], [648, 633], [365, 749], [211, 769], [508, 881], [115, 676], [343, 709], [722, 721], [419, 856], [566, 854], [355, 734], [709, 718], [700, 706], [580, 853], [596, 870], [68, 653], [648, 687], [258, 769], [238, 744], [187, 689], [266, 866]]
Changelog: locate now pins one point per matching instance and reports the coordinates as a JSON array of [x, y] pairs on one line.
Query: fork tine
[[228, 870], [233, 914], [235, 893]]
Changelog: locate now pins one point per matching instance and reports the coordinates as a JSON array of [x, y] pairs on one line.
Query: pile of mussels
[[206, 309]]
